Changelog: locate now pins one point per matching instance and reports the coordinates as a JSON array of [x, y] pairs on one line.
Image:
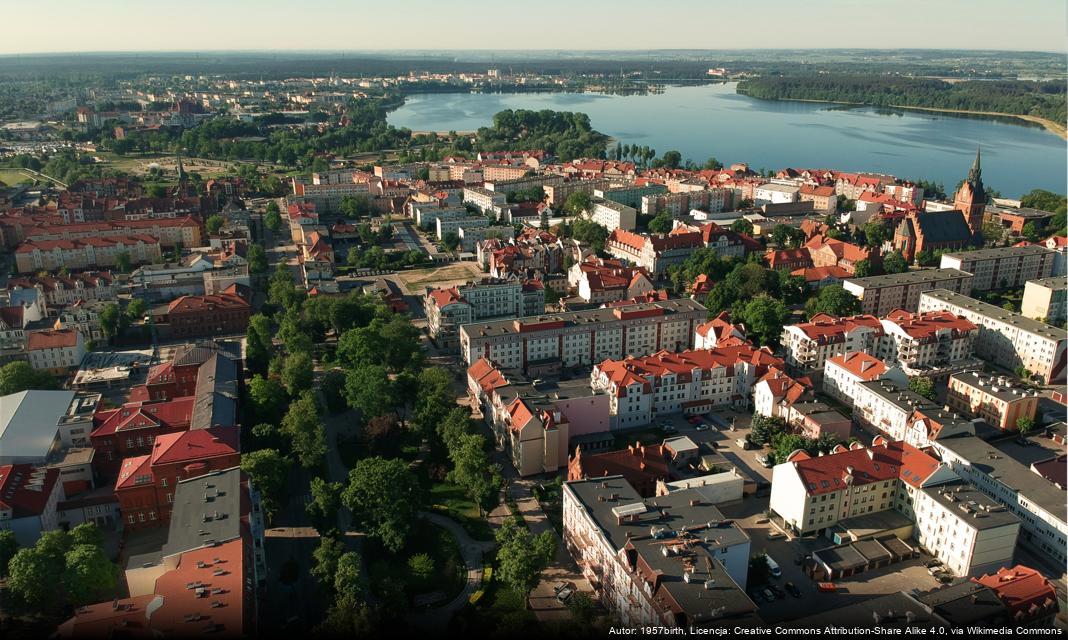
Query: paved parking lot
[[904, 576]]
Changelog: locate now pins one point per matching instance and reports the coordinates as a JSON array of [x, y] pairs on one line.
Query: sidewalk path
[[471, 550]]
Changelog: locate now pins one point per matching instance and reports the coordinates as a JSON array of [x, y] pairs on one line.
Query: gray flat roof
[[841, 558], [1055, 282], [701, 604], [971, 504], [909, 277], [997, 313], [998, 386], [992, 460], [998, 252], [29, 421], [206, 509], [899, 396], [504, 327]]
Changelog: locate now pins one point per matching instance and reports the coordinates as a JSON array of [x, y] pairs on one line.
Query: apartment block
[[1010, 475], [1046, 299], [484, 199], [445, 226], [901, 414], [447, 309], [557, 194], [1006, 339], [842, 373], [689, 382], [932, 344], [34, 256], [536, 422], [993, 398], [1002, 267], [879, 295], [583, 337], [838, 493], [672, 561], [630, 195], [808, 345], [613, 215]]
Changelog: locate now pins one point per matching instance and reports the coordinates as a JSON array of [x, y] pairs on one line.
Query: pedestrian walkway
[[471, 550]]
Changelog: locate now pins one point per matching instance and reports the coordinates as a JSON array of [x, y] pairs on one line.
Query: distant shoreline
[[1048, 125]]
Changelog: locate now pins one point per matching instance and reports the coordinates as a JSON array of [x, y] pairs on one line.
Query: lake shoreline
[[1046, 124]]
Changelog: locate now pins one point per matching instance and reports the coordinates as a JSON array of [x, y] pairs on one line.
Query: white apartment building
[[809, 344], [55, 350], [879, 295], [584, 337], [445, 226], [966, 532], [842, 373], [447, 309], [1006, 339], [1037, 502], [933, 344], [613, 215], [1046, 299], [773, 193], [1002, 267], [427, 215], [622, 542], [484, 199], [901, 414], [690, 382]]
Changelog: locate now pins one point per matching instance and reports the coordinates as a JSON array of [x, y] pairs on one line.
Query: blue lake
[[713, 120]]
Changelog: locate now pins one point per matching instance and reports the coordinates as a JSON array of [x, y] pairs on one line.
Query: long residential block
[[1006, 339], [879, 295], [583, 337]]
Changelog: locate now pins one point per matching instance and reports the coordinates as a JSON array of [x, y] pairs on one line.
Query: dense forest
[[1018, 97]]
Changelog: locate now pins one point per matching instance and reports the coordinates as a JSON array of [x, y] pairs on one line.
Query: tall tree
[[369, 389], [298, 372], [268, 471], [20, 376], [304, 427], [383, 496], [521, 556]]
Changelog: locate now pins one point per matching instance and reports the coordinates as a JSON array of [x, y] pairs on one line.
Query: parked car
[[669, 429], [744, 444], [935, 570], [944, 578], [769, 595], [773, 567], [776, 535], [701, 427], [932, 563], [793, 590], [779, 593], [763, 461], [827, 587]]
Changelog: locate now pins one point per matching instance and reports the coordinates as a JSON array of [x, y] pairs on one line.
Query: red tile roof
[[860, 364], [52, 339], [198, 444], [1026, 592], [445, 297], [201, 304], [25, 489], [171, 414], [825, 328], [865, 465], [924, 326]]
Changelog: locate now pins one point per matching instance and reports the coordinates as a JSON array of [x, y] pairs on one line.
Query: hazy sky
[[170, 25]]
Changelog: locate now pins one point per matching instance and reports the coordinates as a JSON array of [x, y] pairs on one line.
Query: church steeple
[[970, 199], [976, 172]]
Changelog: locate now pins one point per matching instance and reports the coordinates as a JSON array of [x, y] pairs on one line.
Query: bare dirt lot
[[414, 282]]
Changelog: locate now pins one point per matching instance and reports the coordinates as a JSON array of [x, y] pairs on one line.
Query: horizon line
[[555, 52]]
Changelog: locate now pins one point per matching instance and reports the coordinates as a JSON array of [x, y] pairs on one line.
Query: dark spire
[[976, 172]]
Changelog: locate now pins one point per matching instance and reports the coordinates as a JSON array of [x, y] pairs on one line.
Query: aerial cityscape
[[355, 335]]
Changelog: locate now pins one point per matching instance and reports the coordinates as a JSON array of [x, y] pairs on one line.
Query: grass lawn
[[451, 500], [12, 177], [999, 298], [389, 573]]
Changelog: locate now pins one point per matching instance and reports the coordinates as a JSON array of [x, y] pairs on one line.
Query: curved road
[[472, 551]]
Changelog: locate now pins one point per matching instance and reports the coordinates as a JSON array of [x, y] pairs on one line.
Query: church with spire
[[970, 199], [946, 230]]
